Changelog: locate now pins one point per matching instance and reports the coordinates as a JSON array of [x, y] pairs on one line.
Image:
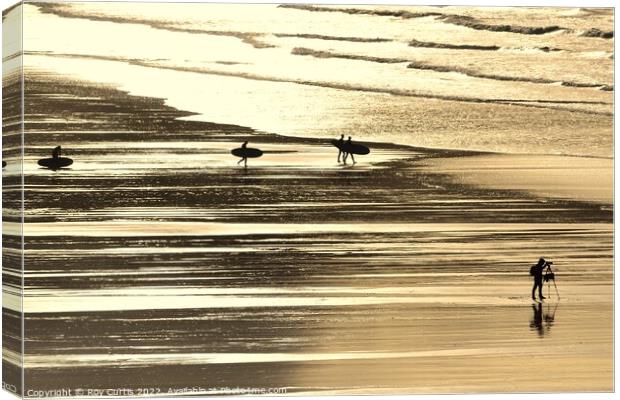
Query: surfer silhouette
[[244, 152], [537, 272], [56, 152], [349, 143], [244, 159], [340, 143], [55, 162]]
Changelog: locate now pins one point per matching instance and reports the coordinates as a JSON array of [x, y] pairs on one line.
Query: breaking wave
[[454, 19], [327, 37], [450, 46], [475, 74], [358, 11], [473, 23], [433, 45], [302, 51], [461, 20]]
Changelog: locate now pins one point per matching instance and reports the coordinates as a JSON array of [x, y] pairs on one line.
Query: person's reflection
[[540, 322]]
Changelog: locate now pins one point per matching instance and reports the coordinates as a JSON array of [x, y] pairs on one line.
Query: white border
[[488, 3]]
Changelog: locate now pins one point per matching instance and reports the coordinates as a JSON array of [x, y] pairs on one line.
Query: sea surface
[[512, 80], [157, 265]]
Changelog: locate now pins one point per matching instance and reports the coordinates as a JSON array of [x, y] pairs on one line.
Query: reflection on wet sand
[[300, 273], [542, 323]]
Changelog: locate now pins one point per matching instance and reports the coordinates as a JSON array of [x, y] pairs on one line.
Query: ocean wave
[[302, 51], [595, 32], [61, 10], [420, 65], [450, 46], [473, 23], [358, 11], [460, 20], [339, 86], [327, 37], [434, 45], [475, 74]]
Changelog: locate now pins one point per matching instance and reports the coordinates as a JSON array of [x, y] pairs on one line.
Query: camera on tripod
[[549, 274]]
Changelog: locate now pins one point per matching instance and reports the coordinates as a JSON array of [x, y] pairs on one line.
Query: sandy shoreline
[[545, 176], [554, 176], [385, 266]]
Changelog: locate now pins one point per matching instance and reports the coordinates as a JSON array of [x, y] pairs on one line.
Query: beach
[[157, 265], [296, 273], [544, 175]]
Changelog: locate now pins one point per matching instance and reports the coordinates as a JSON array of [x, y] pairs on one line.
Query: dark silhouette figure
[[346, 155], [55, 162], [340, 143], [541, 320], [537, 319], [244, 152], [244, 159], [537, 271], [56, 152]]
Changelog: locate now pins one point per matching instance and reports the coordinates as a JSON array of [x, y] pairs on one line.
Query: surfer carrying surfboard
[[244, 159], [339, 144], [349, 144], [244, 152], [349, 148], [55, 162]]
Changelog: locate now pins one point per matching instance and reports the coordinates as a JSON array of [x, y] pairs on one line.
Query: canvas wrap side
[[12, 201]]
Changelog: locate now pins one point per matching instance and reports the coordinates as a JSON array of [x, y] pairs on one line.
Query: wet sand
[[157, 262], [553, 176]]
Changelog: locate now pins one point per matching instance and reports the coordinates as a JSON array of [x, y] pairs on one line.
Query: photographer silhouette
[[537, 272]]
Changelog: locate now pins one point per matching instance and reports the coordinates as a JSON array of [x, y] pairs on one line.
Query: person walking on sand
[[244, 159], [346, 155], [244, 152], [537, 272], [56, 152], [340, 144]]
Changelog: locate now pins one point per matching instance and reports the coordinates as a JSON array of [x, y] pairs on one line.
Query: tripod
[[550, 276]]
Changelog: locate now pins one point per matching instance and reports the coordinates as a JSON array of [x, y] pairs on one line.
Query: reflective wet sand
[[150, 263]]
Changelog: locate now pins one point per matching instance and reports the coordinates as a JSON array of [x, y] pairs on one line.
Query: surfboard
[[247, 152], [3, 164], [337, 143], [55, 163], [355, 149]]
